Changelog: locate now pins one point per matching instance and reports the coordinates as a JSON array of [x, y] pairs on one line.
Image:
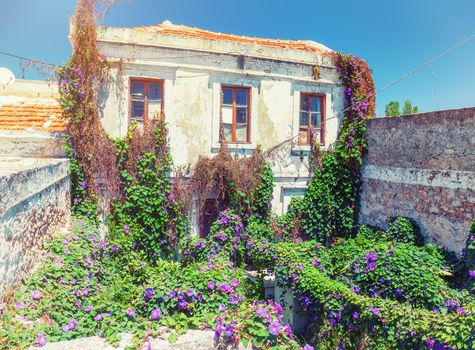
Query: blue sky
[[393, 36]]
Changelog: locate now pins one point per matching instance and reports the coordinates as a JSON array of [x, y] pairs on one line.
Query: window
[[235, 106], [312, 118], [146, 99]]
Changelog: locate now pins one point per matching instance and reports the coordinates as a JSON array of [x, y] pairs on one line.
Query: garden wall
[[34, 205], [423, 167]]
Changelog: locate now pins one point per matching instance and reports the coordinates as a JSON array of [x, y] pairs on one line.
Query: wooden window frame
[[147, 81], [322, 97], [234, 124]]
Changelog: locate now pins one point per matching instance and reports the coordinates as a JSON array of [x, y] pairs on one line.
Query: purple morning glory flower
[[219, 329], [36, 294], [229, 330], [149, 293], [430, 342], [274, 328], [471, 273], [374, 310], [155, 315], [20, 305], [71, 326], [211, 285], [130, 312], [222, 308], [171, 294], [85, 291], [234, 283], [261, 312], [41, 340], [233, 300], [356, 315], [189, 293], [126, 229], [98, 317], [182, 304], [307, 347]]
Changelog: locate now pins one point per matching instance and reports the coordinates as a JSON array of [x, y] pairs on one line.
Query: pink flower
[[41, 341], [126, 229], [20, 305]]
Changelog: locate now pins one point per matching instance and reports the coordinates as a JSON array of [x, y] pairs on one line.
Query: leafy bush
[[405, 231]]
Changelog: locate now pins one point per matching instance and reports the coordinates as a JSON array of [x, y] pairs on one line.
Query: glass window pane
[[137, 90], [138, 109], [304, 102], [227, 96], [155, 91], [316, 120], [241, 97], [154, 109], [303, 137], [227, 114], [241, 115], [316, 107], [228, 132], [303, 118], [241, 133]]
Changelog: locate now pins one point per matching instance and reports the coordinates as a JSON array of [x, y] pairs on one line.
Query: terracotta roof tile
[[42, 117], [181, 30]]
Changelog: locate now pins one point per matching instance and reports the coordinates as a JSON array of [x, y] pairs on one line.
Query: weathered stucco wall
[[423, 167], [34, 205], [31, 144]]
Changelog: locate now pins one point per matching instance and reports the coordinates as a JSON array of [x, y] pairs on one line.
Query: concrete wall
[[31, 144], [34, 205], [193, 71], [423, 167]]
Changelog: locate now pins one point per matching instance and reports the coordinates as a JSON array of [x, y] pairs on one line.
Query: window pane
[[317, 135], [241, 97], [316, 120], [241, 133], [304, 102], [303, 137], [316, 107], [241, 115], [154, 108], [303, 118], [137, 90], [228, 132], [227, 114], [155, 91], [138, 109], [227, 96]]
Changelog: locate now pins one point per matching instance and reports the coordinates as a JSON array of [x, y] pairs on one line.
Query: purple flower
[[67, 252], [430, 342], [261, 312], [171, 196], [211, 285], [229, 330], [83, 185], [219, 329], [98, 317], [189, 293], [374, 310], [371, 257], [277, 308], [222, 308], [307, 347], [471, 273], [356, 315], [20, 305], [171, 294], [71, 326], [315, 262], [41, 340], [36, 294], [155, 315], [234, 283], [182, 304], [274, 328], [233, 300], [130, 312], [126, 229], [149, 293]]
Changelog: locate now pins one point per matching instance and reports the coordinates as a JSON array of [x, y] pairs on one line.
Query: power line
[[29, 59]]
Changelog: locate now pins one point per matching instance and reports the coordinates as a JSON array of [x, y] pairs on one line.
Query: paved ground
[[192, 340]]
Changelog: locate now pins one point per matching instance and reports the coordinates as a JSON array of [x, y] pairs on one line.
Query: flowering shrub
[[405, 231], [259, 324]]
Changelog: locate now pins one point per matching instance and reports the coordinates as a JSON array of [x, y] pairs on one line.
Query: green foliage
[[408, 108], [392, 109], [405, 231]]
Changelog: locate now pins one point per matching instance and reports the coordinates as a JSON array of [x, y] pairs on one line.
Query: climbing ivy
[[329, 208]]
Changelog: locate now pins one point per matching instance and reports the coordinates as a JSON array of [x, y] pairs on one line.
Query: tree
[[408, 108], [392, 109]]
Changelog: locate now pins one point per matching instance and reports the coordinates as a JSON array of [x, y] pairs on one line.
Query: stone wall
[[31, 144], [34, 205], [423, 167]]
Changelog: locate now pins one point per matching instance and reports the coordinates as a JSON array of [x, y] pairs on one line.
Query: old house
[[267, 92]]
